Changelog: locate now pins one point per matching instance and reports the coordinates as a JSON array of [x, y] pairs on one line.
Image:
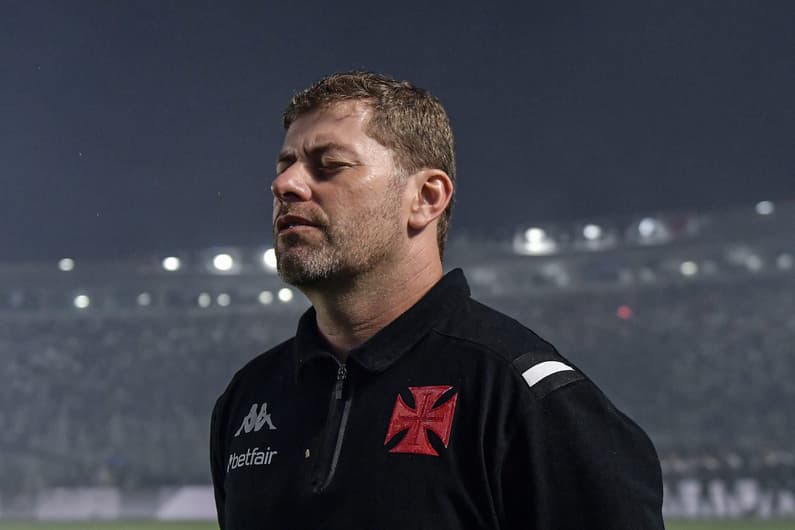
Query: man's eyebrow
[[316, 151], [327, 147]]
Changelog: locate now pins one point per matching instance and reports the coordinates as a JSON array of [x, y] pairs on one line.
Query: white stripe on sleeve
[[536, 373]]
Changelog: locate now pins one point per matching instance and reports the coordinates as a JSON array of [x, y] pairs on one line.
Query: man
[[401, 402]]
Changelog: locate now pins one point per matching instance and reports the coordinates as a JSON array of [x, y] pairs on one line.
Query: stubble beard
[[350, 248]]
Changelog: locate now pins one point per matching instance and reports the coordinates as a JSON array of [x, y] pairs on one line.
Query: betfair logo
[[252, 457], [254, 421]]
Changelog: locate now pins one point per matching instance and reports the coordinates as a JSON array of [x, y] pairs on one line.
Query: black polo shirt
[[453, 416]]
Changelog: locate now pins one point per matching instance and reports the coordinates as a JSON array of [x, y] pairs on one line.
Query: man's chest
[[400, 447]]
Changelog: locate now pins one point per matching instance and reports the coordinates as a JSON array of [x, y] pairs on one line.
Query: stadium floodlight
[[266, 298], [765, 207], [647, 227], [784, 261], [688, 268], [223, 262], [753, 262], [534, 235], [172, 263], [592, 232], [269, 259], [66, 264], [144, 299], [652, 231], [81, 301], [595, 237], [534, 241], [285, 294], [223, 300], [204, 300]]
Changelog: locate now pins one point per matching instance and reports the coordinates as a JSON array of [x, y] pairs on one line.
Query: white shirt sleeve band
[[536, 373]]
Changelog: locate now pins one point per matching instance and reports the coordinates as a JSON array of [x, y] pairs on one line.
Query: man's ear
[[433, 190]]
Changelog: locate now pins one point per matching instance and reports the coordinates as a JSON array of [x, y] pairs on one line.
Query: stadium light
[[652, 231], [753, 262], [172, 263], [144, 299], [266, 298], [688, 268], [81, 301], [285, 294], [269, 259], [223, 262], [647, 227], [784, 262], [534, 241], [223, 300], [66, 264], [204, 300], [592, 232], [765, 207], [534, 235]]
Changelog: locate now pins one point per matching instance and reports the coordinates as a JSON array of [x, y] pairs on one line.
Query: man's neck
[[348, 317]]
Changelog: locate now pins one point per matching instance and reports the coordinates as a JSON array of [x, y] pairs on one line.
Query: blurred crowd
[[706, 368]]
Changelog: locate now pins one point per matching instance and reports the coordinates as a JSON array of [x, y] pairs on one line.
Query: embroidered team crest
[[421, 419]]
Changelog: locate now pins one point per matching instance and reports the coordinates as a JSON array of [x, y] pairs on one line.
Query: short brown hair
[[408, 120]]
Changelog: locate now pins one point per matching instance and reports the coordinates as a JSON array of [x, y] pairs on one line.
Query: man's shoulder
[[530, 357], [489, 329]]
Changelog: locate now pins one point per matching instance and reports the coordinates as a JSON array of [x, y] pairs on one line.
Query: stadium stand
[[118, 393]]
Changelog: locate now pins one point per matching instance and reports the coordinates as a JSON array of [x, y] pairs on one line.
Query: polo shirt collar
[[386, 346]]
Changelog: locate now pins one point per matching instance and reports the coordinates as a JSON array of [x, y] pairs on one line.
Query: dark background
[[140, 127]]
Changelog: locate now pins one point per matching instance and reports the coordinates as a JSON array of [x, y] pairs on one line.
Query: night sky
[[143, 127]]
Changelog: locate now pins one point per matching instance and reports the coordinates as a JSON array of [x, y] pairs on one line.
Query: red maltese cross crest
[[422, 419]]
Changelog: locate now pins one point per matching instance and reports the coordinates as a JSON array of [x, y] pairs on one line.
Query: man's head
[[380, 135]]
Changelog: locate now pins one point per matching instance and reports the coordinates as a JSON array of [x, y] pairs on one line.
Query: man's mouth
[[289, 223]]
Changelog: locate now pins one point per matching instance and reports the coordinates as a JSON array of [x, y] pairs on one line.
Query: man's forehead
[[328, 124]]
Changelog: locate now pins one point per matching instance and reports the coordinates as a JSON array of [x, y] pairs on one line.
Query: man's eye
[[330, 167]]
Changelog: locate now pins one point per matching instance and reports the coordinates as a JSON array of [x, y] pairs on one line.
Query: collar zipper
[[336, 423], [342, 373]]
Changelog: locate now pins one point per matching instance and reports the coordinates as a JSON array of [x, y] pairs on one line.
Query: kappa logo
[[422, 419], [254, 421]]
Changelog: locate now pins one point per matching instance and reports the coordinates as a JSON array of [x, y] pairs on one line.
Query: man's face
[[337, 198]]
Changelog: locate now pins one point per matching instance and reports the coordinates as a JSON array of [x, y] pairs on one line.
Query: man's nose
[[291, 185]]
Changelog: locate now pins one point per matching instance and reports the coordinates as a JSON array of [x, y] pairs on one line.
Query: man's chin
[[299, 270]]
